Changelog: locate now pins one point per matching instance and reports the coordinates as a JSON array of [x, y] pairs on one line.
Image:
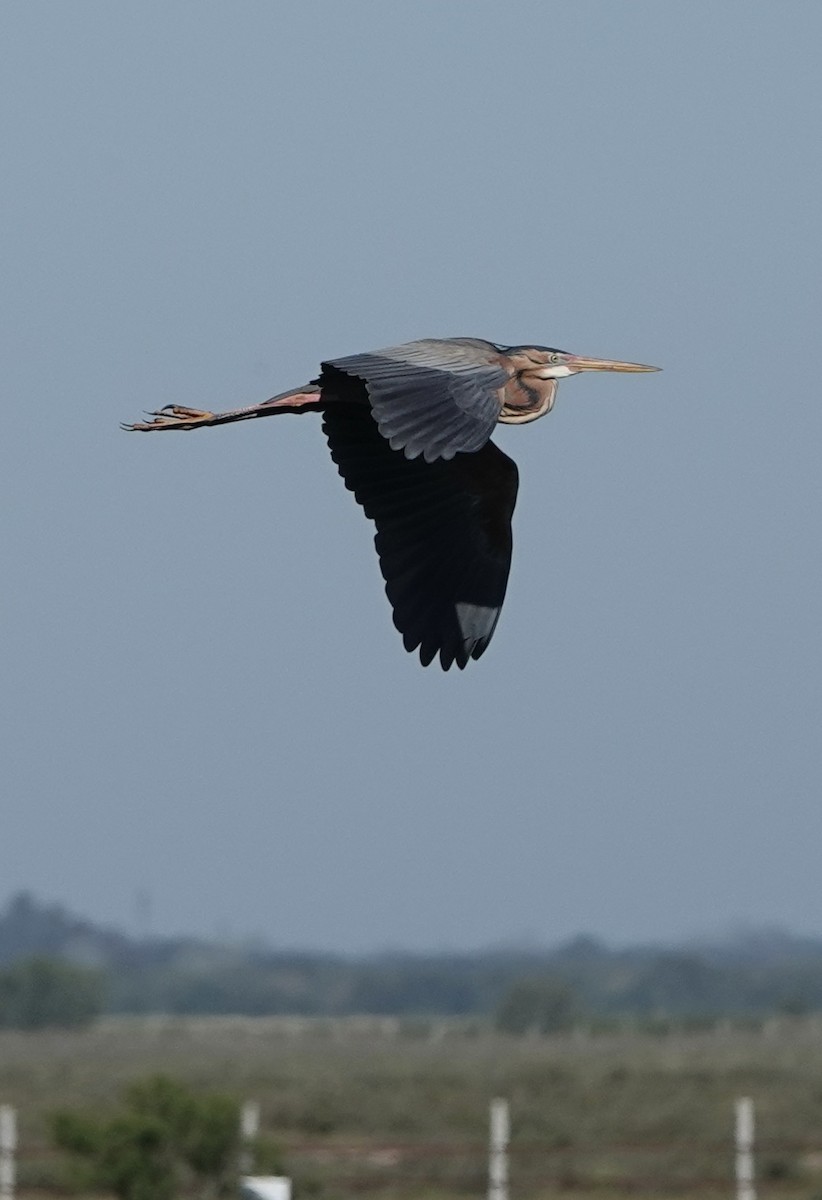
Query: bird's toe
[[173, 416]]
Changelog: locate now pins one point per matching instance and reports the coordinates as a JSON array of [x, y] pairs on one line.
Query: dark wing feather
[[433, 398], [443, 533]]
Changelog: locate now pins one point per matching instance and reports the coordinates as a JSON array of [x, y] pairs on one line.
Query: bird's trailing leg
[[178, 416]]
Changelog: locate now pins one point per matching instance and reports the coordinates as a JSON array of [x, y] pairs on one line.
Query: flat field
[[398, 1109]]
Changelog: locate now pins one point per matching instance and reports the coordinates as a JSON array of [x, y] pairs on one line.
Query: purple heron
[[409, 429]]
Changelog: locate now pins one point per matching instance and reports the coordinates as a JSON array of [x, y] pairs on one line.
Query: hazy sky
[[203, 696]]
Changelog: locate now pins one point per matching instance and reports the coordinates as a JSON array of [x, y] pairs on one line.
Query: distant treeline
[[755, 975], [39, 993]]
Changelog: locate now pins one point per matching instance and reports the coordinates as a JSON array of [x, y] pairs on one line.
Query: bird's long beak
[[577, 363]]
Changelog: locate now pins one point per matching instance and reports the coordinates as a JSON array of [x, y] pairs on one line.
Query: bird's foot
[[174, 416]]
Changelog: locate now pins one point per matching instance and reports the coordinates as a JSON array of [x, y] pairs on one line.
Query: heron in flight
[[409, 428]]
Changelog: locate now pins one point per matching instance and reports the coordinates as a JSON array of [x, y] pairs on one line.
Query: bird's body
[[409, 428]]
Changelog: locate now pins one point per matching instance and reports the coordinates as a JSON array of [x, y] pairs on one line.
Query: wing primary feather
[[443, 533]]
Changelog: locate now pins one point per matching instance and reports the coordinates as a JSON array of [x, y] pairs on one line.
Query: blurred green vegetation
[[166, 1140], [748, 976], [398, 1108], [621, 1066], [39, 992], [536, 1005]]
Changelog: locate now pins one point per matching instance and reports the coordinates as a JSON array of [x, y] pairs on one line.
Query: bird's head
[[534, 374], [548, 363]]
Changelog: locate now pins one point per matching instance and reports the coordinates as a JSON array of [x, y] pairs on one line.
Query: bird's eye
[[554, 358]]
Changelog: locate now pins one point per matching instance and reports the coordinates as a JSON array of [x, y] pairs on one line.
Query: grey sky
[[202, 692]]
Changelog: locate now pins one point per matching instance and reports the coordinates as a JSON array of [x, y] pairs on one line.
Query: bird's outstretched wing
[[443, 533], [433, 398]]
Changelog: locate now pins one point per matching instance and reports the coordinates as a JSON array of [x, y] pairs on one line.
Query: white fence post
[[744, 1138], [498, 1154], [249, 1130], [8, 1145]]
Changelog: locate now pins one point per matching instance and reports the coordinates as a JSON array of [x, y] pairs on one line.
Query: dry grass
[[399, 1109]]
